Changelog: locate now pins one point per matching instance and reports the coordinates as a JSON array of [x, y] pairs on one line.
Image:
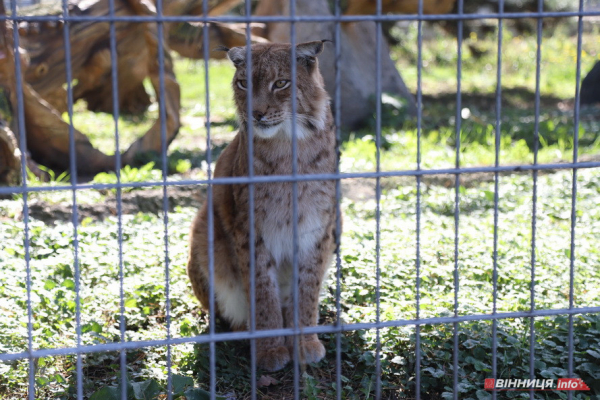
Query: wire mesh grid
[[212, 337]]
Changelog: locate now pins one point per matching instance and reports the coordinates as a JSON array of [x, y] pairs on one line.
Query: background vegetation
[[53, 276]]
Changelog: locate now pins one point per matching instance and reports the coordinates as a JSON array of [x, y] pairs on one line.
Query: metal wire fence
[[212, 337]]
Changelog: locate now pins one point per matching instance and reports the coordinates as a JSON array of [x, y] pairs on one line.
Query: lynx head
[[272, 91]]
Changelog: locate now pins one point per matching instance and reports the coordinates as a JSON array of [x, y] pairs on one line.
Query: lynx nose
[[258, 115]]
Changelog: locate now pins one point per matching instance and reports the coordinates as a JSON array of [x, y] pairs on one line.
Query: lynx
[[271, 120]]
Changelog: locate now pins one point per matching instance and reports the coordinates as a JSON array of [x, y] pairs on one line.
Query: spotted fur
[[272, 121]]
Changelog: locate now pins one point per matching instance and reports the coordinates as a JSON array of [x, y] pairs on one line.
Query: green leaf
[[91, 327], [180, 383], [591, 369], [197, 394], [480, 366], [470, 343], [489, 195], [69, 284], [146, 390], [130, 303], [593, 353], [436, 373], [49, 284], [41, 381], [96, 327], [396, 360], [106, 393], [554, 372]]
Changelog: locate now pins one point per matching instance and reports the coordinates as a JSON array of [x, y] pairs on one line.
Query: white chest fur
[[277, 231], [279, 240]]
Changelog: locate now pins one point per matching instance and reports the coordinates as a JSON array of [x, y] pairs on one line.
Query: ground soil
[[151, 200]]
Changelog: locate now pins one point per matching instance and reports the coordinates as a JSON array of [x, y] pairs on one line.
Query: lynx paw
[[273, 359], [312, 351]]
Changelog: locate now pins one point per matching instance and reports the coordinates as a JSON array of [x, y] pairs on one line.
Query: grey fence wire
[[338, 327]]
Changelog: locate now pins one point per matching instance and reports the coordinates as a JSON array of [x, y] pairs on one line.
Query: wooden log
[[47, 134], [48, 138], [368, 7], [10, 152], [187, 39], [196, 7], [91, 66], [358, 58], [10, 155], [90, 54], [95, 78], [152, 139], [90, 60]]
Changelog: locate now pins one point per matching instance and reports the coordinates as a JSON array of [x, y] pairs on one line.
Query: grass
[[518, 60], [54, 278], [190, 75], [53, 288]]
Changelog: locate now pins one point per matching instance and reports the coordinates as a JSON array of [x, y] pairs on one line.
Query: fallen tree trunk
[[187, 39], [137, 46], [91, 69], [48, 138], [369, 7], [10, 156], [90, 50]]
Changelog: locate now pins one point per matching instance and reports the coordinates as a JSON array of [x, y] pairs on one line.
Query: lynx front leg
[[311, 271], [271, 353]]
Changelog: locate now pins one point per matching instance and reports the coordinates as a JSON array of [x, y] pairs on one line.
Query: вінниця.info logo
[[535, 384]]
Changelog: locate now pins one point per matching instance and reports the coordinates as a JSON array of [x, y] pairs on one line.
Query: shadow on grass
[[478, 115]]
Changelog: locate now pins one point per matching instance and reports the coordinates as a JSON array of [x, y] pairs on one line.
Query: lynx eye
[[242, 84], [280, 84]]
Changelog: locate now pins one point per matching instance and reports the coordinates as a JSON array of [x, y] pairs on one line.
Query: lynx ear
[[237, 55], [310, 49], [306, 53]]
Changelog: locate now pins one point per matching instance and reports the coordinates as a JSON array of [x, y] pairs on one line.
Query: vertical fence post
[[458, 123], [22, 135], [418, 201], [251, 216], [576, 116]]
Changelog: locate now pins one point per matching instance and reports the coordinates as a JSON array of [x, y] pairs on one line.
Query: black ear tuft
[[310, 49], [221, 48], [306, 53], [237, 55]]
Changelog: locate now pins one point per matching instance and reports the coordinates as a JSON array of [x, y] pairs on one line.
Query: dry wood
[[91, 68], [187, 39], [48, 138], [368, 7], [45, 96], [10, 156]]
